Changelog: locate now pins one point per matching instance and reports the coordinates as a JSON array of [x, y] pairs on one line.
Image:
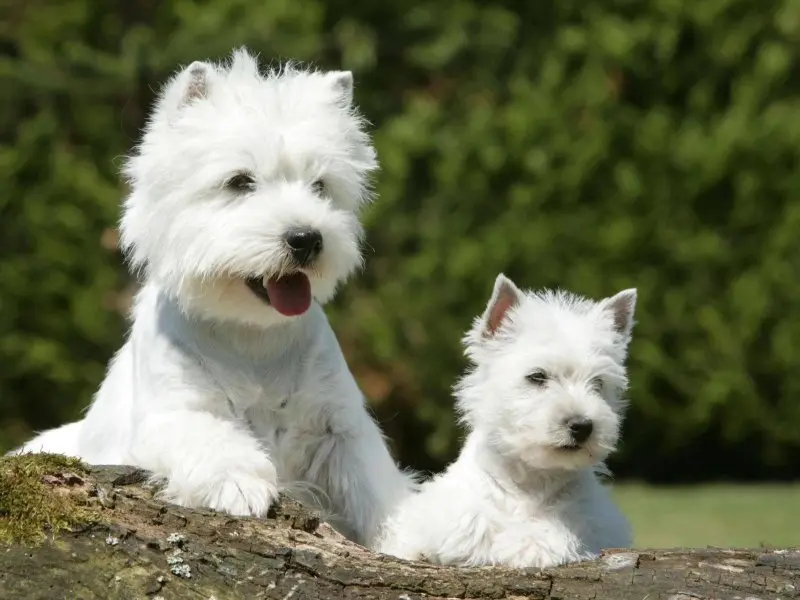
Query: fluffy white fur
[[215, 390], [524, 491]]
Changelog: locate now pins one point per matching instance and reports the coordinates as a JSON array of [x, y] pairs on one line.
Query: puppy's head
[[548, 375], [246, 187]]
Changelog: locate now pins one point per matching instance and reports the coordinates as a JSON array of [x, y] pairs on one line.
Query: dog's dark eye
[[596, 384], [319, 188], [241, 182], [537, 377]]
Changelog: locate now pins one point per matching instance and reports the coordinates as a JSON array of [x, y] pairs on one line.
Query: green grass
[[712, 515]]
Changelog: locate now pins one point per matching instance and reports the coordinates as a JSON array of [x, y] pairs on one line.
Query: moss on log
[[116, 541]]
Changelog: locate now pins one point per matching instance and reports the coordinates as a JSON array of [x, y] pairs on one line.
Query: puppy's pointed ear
[[622, 307], [505, 297], [342, 84]]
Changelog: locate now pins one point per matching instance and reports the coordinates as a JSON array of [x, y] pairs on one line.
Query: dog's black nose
[[304, 243], [580, 428]]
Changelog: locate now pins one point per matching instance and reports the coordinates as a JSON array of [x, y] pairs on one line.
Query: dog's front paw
[[238, 491], [244, 494]]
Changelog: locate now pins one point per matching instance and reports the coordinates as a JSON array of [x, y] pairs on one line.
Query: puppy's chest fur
[[519, 529]]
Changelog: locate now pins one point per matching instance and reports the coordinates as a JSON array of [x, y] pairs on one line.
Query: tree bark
[[144, 549]]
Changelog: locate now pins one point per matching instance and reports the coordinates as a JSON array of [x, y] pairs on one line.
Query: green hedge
[[576, 143]]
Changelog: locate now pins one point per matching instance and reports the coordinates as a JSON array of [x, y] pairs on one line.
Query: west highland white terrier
[[543, 406], [243, 218]]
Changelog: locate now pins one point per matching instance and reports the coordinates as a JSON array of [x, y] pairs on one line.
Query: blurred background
[[588, 144]]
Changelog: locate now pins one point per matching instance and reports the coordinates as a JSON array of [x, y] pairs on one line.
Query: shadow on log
[[135, 547]]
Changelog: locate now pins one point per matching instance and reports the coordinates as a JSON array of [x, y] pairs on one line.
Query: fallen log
[[76, 532]]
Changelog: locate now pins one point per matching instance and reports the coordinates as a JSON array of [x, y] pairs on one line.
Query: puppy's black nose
[[305, 244], [580, 428]]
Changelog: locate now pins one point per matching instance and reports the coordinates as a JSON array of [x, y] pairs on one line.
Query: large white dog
[[243, 219]]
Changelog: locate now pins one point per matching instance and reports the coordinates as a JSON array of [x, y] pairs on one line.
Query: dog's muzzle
[[580, 430], [304, 243], [290, 294]]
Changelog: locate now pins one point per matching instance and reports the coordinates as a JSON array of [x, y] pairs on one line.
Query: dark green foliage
[[583, 144]]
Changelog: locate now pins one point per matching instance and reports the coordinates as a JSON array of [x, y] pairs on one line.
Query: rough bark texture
[[148, 550]]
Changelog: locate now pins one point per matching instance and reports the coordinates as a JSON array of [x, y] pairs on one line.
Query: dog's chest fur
[[285, 386]]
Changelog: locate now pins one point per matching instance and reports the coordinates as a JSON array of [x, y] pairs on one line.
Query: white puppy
[[543, 406], [242, 218]]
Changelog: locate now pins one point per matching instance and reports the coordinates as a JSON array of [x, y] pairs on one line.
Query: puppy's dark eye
[[319, 188], [596, 383], [537, 377], [240, 183]]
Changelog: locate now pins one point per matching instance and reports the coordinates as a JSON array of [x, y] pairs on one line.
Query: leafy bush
[[583, 144]]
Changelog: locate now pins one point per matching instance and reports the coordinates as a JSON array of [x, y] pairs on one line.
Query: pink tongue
[[290, 295]]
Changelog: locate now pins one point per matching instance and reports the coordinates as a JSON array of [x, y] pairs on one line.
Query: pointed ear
[[622, 307], [197, 81], [192, 83], [505, 296], [342, 83]]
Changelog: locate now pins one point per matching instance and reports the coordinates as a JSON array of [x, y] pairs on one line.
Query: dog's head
[[246, 187], [548, 375]]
